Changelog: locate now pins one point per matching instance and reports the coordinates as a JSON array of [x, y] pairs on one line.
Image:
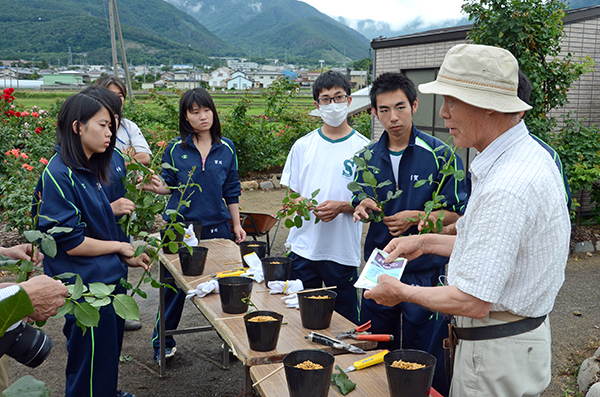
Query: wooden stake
[[316, 289], [272, 373]]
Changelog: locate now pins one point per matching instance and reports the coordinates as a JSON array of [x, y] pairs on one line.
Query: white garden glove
[[204, 289], [190, 237], [291, 301], [255, 270], [285, 287]]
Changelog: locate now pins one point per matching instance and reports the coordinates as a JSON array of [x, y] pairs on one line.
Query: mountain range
[[272, 28]]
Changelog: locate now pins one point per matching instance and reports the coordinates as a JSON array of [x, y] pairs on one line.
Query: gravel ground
[[196, 369]]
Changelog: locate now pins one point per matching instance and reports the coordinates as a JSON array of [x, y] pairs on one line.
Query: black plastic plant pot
[[308, 382], [276, 268], [410, 382], [247, 247], [192, 264], [232, 290], [316, 312], [263, 336]]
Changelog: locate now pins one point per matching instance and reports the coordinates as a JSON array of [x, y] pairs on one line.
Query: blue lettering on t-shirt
[[348, 169]]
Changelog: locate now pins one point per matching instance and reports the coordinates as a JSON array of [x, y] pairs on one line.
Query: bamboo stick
[[269, 375], [316, 289]]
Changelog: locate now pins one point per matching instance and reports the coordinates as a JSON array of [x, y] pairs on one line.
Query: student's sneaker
[[169, 352], [132, 325], [124, 394]]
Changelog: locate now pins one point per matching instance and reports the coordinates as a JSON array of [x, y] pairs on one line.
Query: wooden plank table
[[225, 255], [371, 381]]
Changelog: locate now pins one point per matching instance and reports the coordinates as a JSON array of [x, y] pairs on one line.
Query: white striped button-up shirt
[[513, 242]]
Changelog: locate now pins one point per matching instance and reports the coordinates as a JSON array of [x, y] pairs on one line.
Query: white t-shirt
[[317, 162], [129, 135], [395, 158], [512, 243]]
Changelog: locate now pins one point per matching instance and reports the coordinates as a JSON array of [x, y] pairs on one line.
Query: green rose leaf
[[13, 309], [139, 250], [101, 290], [27, 386], [354, 186], [49, 245], [78, 288], [420, 182], [387, 182], [67, 308], [167, 166], [59, 229], [294, 195], [369, 178], [125, 307], [97, 302], [86, 314], [315, 193], [360, 162], [32, 235], [289, 223], [342, 381]]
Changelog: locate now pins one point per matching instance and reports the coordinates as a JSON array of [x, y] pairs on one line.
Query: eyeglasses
[[335, 99]]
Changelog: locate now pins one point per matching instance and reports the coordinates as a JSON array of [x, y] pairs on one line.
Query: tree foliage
[[532, 31]]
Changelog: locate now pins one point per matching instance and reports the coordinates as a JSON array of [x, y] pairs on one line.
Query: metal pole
[[123, 57], [113, 42]]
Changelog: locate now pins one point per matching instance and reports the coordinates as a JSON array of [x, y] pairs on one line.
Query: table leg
[[161, 322], [248, 389], [225, 355]]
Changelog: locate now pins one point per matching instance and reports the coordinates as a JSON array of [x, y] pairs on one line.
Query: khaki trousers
[[514, 366], [4, 381]]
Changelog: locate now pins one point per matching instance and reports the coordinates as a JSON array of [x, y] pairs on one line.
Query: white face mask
[[334, 114]]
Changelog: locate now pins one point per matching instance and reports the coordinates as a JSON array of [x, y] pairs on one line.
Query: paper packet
[[376, 266]]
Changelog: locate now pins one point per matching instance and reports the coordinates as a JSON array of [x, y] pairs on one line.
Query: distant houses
[[240, 74]]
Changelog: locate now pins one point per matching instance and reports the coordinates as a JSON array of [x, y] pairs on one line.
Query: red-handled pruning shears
[[359, 333]]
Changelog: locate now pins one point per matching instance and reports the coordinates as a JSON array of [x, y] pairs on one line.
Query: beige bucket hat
[[483, 76]]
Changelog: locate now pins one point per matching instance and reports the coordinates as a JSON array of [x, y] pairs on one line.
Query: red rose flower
[[11, 90], [24, 156], [25, 165], [30, 167], [44, 161], [18, 114], [11, 113], [38, 130]]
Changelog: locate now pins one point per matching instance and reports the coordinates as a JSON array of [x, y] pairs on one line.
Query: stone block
[[594, 391], [267, 185], [249, 185], [584, 246], [587, 372]]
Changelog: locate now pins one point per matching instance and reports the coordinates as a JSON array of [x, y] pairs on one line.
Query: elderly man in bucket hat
[[508, 258]]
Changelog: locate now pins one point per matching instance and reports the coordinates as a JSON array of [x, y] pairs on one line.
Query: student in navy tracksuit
[[72, 196], [202, 146], [405, 155]]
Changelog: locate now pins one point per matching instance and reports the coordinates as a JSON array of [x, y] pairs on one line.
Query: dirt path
[[196, 368]]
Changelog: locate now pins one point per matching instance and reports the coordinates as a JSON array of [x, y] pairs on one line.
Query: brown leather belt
[[496, 331]]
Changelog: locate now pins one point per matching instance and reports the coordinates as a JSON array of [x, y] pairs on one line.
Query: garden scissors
[[359, 333]]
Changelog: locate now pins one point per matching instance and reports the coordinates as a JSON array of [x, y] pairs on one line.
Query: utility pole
[[113, 42], [123, 57]]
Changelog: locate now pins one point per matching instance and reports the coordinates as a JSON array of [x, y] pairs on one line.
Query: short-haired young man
[[327, 252], [405, 155]]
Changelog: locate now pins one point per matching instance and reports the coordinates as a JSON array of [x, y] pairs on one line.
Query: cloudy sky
[[397, 13]]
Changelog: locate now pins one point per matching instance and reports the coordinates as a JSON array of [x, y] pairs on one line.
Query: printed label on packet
[[377, 266]]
